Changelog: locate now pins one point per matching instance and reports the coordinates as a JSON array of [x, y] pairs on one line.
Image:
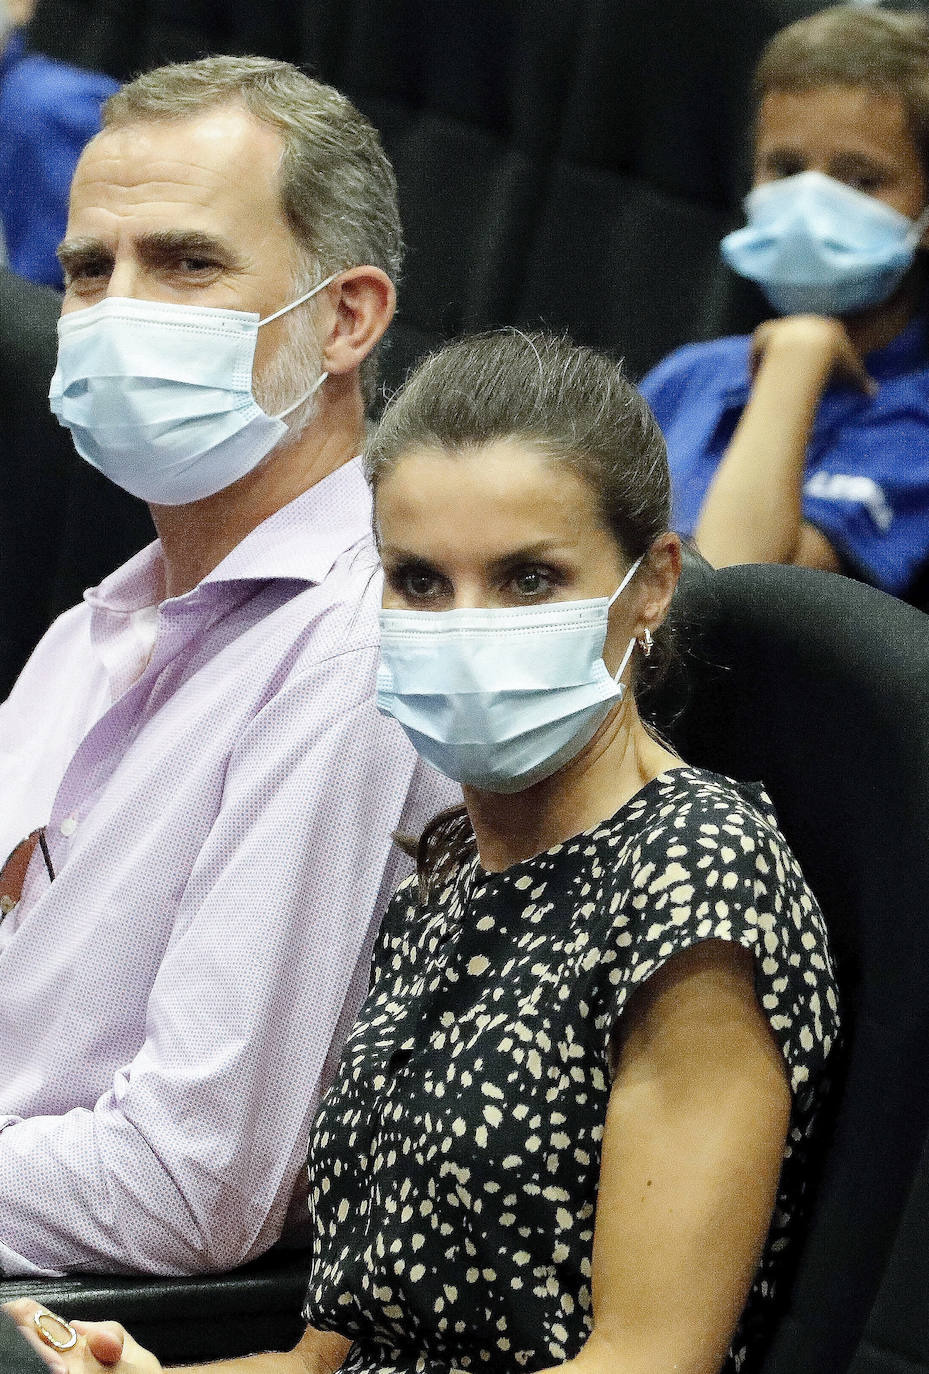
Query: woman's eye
[[420, 584], [415, 584], [532, 582]]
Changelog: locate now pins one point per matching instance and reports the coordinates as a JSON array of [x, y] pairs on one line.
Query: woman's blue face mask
[[500, 698]]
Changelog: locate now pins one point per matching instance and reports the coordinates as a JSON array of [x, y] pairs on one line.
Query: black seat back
[[819, 686]]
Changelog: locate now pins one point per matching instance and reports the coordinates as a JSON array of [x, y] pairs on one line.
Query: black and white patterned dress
[[454, 1162]]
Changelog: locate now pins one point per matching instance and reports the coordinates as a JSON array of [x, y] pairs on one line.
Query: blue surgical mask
[[816, 246], [158, 396], [499, 699]]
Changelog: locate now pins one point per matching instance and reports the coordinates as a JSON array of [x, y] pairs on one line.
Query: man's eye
[[87, 271], [197, 264]]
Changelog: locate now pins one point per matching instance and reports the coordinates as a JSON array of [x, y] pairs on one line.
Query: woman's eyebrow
[[404, 557], [540, 548]]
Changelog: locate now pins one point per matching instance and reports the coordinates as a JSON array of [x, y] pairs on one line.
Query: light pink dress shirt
[[219, 821]]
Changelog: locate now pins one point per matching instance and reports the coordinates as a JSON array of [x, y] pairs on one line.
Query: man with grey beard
[[193, 756]]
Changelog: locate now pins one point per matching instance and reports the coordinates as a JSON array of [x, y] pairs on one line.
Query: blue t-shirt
[[48, 111], [867, 468]]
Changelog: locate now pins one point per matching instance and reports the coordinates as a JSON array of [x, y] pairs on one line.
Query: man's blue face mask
[[816, 246], [158, 396]]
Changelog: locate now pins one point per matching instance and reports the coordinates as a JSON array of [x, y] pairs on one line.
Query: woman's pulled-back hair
[[568, 403], [855, 45]]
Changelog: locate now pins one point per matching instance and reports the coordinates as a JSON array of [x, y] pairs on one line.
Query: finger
[[105, 1340], [49, 1356], [758, 347], [22, 1311], [850, 363]]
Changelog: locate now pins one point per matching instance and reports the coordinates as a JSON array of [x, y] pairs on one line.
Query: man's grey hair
[[337, 187]]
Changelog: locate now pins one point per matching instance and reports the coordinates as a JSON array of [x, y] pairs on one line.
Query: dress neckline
[[483, 876]]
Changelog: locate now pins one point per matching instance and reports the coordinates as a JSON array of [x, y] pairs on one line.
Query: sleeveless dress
[[454, 1161]]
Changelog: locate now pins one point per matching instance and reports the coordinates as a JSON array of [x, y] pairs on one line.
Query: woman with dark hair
[[571, 1124]]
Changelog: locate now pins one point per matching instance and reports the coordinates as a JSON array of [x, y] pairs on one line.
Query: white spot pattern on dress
[[475, 1083]]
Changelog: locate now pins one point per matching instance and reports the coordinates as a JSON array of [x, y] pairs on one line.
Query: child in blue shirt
[[808, 443]]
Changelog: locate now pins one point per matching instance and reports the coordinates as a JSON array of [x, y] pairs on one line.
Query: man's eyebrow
[[166, 245], [157, 248], [79, 251]]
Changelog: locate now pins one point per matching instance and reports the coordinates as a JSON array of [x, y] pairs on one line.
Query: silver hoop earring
[[645, 642]]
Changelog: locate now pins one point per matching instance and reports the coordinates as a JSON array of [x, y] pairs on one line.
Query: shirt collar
[[300, 542], [906, 352]]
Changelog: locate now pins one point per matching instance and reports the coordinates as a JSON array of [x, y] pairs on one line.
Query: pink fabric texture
[[219, 820]]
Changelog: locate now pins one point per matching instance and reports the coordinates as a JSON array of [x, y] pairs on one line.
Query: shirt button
[[68, 825]]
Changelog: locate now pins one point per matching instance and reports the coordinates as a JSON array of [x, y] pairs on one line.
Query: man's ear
[[361, 303]]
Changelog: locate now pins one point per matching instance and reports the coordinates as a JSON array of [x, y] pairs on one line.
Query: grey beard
[[296, 365]]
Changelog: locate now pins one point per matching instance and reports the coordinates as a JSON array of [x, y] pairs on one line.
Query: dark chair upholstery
[[896, 1338], [819, 686], [467, 98]]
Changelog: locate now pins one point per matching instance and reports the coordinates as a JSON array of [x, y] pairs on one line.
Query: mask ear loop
[[622, 667], [282, 415], [621, 588], [626, 580], [300, 299]]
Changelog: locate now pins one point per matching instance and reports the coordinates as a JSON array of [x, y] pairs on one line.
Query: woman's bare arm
[[318, 1352], [695, 1133]]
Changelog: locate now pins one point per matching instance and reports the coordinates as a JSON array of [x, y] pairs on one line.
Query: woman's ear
[[361, 305], [662, 568]]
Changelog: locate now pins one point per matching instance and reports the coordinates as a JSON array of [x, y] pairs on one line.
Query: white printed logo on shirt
[[863, 491]]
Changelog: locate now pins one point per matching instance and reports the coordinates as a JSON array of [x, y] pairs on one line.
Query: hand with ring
[[80, 1347]]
